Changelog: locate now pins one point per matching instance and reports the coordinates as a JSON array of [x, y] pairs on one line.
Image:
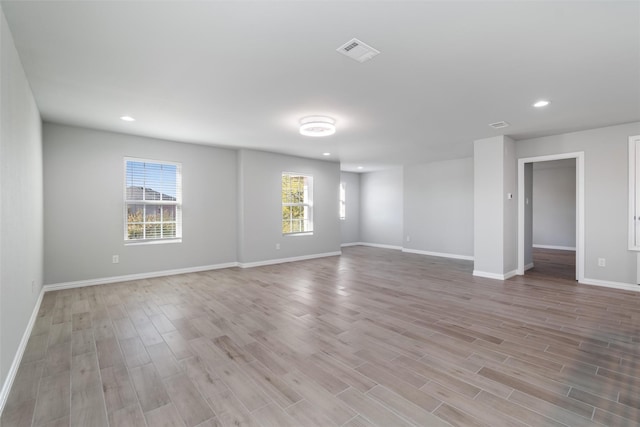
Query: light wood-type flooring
[[373, 337]]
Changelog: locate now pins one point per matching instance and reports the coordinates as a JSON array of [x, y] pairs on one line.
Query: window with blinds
[[153, 200], [297, 203]]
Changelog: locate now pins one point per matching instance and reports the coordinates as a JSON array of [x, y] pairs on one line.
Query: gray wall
[[495, 215], [260, 223], [510, 206], [554, 208], [350, 227], [438, 207], [84, 173], [21, 211], [381, 205], [606, 195], [488, 209], [528, 214]]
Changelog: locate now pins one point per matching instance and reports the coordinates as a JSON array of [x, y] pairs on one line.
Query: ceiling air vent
[[499, 125], [357, 50]]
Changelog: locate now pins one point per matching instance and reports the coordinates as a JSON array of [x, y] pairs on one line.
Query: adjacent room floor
[[553, 264], [374, 337]]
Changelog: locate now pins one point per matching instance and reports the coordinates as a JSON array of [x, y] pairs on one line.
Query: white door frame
[[579, 156]]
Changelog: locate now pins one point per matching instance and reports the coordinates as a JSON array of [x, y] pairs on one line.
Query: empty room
[[319, 213]]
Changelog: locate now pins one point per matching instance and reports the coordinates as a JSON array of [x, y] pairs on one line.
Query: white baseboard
[[607, 284], [438, 254], [528, 266], [379, 245], [344, 245], [17, 359], [283, 260], [496, 276], [137, 276], [558, 248]]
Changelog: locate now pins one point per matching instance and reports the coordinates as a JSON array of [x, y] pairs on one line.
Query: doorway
[[549, 259]]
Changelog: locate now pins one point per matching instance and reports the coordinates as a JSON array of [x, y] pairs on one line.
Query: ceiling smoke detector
[[317, 126], [357, 50], [499, 125]]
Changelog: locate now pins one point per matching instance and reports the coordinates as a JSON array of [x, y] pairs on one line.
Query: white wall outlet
[[115, 259], [278, 246], [602, 262], [408, 238], [509, 196]]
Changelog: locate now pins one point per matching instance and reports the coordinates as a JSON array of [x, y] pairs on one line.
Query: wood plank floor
[[553, 264], [374, 337]]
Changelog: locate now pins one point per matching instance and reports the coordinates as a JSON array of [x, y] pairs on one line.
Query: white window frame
[[634, 193], [307, 205], [145, 203], [342, 213]]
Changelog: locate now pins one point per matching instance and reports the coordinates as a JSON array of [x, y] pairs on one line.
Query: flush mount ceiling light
[[127, 119], [326, 154], [317, 126], [541, 103]]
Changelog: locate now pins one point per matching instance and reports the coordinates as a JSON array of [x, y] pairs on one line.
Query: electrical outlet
[[115, 259], [602, 262], [278, 246]]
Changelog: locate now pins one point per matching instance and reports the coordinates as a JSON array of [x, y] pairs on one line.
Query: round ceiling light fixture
[[317, 126]]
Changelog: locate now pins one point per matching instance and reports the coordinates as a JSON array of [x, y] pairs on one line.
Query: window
[[297, 203], [153, 200], [343, 201], [634, 193]]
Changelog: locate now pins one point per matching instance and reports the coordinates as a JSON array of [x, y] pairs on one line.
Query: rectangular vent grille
[[499, 125], [357, 50], [351, 46]]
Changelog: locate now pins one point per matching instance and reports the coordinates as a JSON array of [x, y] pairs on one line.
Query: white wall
[[260, 222], [606, 195], [84, 179], [21, 211], [381, 205], [350, 226], [554, 207], [438, 207]]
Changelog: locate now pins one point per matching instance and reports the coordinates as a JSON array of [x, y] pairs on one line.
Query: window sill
[[151, 242], [306, 233]]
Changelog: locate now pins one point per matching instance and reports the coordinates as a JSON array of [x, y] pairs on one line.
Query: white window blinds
[[153, 200]]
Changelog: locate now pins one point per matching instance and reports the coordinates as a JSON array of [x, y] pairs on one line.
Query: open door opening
[[551, 216], [550, 219]]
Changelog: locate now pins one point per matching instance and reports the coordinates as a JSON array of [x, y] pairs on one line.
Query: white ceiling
[[242, 74]]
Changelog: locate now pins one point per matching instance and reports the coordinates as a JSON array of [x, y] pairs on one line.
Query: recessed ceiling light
[[360, 167], [127, 119], [541, 103], [317, 126], [326, 154]]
